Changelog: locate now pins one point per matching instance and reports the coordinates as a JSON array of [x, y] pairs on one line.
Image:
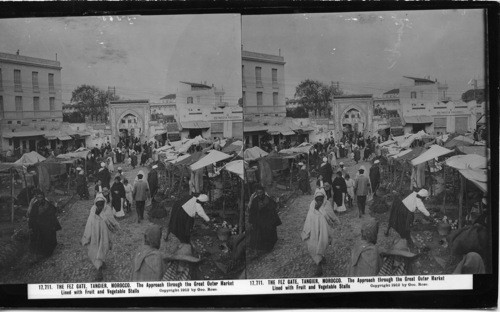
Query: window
[[346, 116], [243, 75], [36, 103], [52, 102], [275, 98], [244, 98], [275, 77], [259, 98], [34, 78], [17, 80], [258, 76], [51, 83], [19, 103], [190, 100], [413, 95]]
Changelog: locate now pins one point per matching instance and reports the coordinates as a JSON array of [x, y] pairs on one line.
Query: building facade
[[263, 82], [30, 101], [202, 110], [426, 106]]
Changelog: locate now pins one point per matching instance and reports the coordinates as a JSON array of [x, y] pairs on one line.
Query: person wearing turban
[[318, 228], [97, 236]]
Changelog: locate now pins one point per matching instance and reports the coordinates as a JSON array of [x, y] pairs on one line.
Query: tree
[[315, 96], [74, 117], [94, 101], [298, 112]]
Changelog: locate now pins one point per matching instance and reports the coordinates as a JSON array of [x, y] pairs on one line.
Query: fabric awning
[[478, 150], [281, 129], [29, 158], [254, 153], [195, 125], [212, 157], [236, 167], [478, 177], [64, 137], [470, 161], [433, 152], [418, 119], [50, 137], [21, 134]]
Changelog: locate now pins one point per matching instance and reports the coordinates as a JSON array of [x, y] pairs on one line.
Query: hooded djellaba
[[318, 228], [365, 256], [148, 262], [100, 224]]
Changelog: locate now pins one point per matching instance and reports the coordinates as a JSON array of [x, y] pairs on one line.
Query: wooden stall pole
[[180, 182], [12, 196], [443, 209], [241, 205], [27, 189], [461, 201], [223, 197], [291, 173]]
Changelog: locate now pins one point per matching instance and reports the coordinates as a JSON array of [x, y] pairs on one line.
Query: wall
[[267, 112]]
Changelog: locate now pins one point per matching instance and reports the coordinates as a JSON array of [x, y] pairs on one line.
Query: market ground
[[70, 263], [290, 259]]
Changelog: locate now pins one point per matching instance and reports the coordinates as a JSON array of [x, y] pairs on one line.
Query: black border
[[485, 293]]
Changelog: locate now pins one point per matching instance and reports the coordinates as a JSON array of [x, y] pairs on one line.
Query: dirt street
[[70, 263], [290, 258]]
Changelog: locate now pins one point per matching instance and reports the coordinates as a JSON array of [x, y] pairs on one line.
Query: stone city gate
[[353, 112], [129, 116]]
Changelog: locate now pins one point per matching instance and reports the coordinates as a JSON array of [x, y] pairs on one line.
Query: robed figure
[[263, 219]]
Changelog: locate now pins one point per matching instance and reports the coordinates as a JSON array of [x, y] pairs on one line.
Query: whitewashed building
[[30, 101]]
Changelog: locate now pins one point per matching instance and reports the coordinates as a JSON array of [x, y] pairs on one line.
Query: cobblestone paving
[[290, 258], [70, 263]]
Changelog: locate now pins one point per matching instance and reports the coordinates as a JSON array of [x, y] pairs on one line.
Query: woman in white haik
[[111, 167], [318, 228]]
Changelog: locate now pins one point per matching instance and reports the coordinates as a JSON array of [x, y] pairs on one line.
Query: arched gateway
[[353, 113], [129, 118]]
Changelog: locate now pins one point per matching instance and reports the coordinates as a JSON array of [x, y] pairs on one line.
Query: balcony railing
[[268, 109], [31, 114]]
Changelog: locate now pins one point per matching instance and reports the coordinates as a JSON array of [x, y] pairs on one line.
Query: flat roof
[[27, 60], [262, 57]]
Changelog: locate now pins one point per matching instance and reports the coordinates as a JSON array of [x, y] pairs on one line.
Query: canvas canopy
[[237, 167], [402, 153], [254, 153], [459, 141], [77, 154], [433, 152], [212, 157], [301, 149], [478, 150], [415, 152], [478, 176], [165, 148], [409, 140], [388, 142], [180, 158], [470, 161], [30, 158], [233, 147]]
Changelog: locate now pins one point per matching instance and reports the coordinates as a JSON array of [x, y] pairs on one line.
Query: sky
[[143, 57], [370, 52]]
